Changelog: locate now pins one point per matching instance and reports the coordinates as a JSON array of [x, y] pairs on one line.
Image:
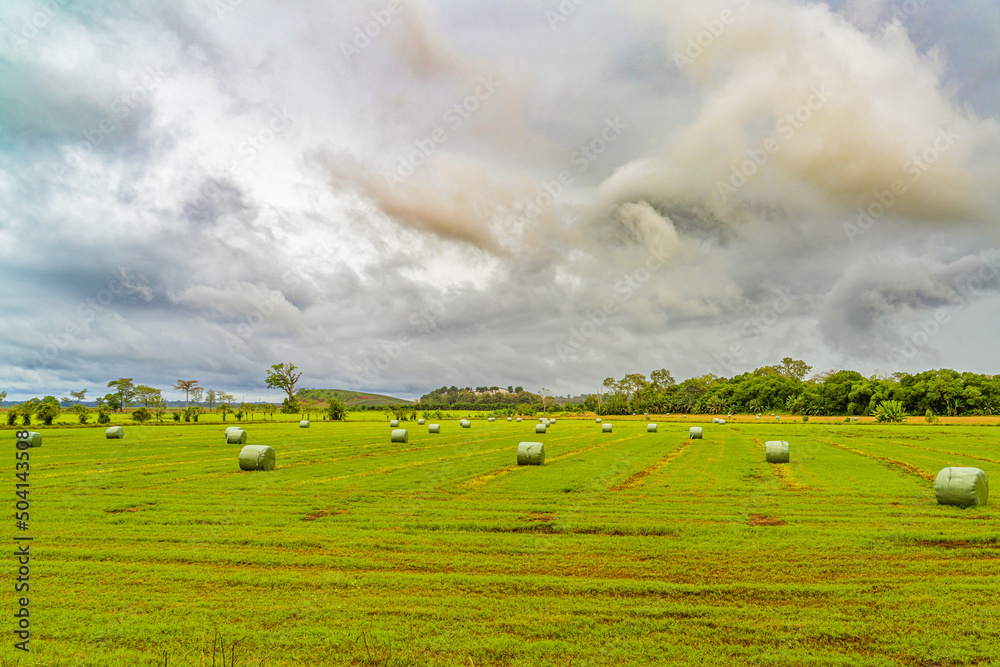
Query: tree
[[146, 394], [282, 376], [77, 395], [159, 407], [126, 391], [110, 400], [196, 394], [82, 413], [187, 386], [142, 415], [47, 412], [546, 398], [590, 403], [210, 396], [27, 409], [793, 368], [335, 410]]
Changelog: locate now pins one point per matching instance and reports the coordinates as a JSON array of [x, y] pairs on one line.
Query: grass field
[[625, 548]]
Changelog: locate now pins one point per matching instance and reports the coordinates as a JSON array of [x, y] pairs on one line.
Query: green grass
[[623, 549], [350, 398]]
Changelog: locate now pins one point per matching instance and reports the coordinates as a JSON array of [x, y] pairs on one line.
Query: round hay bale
[[964, 487], [530, 454], [33, 439], [519, 419], [491, 419], [694, 433], [115, 433], [650, 428], [776, 451], [542, 419], [303, 424], [758, 416], [394, 423], [776, 417], [509, 419], [257, 457], [237, 437], [231, 429], [434, 428], [854, 419], [552, 421], [722, 421], [421, 422], [606, 428], [400, 435], [715, 420], [597, 421], [540, 428], [466, 423]]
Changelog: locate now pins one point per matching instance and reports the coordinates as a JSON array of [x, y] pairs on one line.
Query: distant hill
[[351, 398]]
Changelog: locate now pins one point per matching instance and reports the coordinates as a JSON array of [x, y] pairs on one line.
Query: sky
[[403, 194]]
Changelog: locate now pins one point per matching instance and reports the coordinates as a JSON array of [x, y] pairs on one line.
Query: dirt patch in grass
[[992, 543], [127, 509], [763, 520], [319, 514]]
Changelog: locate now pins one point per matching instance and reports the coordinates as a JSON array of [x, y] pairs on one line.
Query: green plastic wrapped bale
[[434, 428], [33, 439], [421, 422], [542, 419], [236, 437], [650, 428], [606, 428], [400, 435], [694, 433], [540, 428], [232, 429], [394, 423], [776, 451], [115, 433], [715, 420], [256, 457], [530, 454], [722, 421], [303, 424], [854, 419], [466, 423], [965, 487], [758, 417], [491, 419], [509, 419], [552, 421], [597, 421], [518, 419]]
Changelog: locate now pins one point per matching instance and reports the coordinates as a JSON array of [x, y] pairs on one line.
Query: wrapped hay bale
[[650, 428], [539, 428], [715, 420], [758, 416], [530, 454], [542, 419], [434, 428], [257, 457], [303, 424], [552, 421], [518, 420], [32, 438], [854, 419], [236, 437], [722, 421], [421, 422], [394, 423], [509, 419], [964, 487], [231, 429], [776, 451], [491, 419], [694, 433], [606, 428], [465, 423], [115, 433], [597, 421], [400, 435]]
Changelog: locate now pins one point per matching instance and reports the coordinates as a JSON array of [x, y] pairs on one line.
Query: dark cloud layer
[[498, 192]]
